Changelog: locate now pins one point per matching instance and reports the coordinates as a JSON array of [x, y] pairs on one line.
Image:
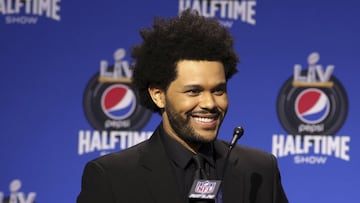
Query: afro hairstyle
[[188, 36]]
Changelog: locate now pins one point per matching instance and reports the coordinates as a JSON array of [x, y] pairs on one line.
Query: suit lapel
[[159, 177], [161, 181], [233, 180]]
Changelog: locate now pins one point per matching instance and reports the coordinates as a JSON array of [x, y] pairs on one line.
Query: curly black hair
[[188, 36]]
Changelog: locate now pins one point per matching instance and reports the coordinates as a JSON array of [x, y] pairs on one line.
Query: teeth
[[204, 120]]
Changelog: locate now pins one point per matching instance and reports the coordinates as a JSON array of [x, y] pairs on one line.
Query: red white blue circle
[[118, 102], [312, 106]]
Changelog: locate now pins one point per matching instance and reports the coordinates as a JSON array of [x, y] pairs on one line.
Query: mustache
[[215, 112]]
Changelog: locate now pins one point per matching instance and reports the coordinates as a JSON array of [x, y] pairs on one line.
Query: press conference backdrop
[[66, 96]]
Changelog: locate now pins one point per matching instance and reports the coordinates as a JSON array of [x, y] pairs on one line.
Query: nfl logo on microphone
[[205, 187], [205, 190]]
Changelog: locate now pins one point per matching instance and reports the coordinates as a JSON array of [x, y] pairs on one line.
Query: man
[[181, 71]]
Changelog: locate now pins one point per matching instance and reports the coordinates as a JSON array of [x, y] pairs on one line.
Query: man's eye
[[193, 92], [219, 92]]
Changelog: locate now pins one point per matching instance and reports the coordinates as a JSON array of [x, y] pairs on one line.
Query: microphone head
[[239, 131]]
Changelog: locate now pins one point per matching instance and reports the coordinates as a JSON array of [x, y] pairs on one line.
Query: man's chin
[[207, 139]]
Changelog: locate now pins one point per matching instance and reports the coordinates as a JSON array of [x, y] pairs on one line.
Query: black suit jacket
[[143, 174]]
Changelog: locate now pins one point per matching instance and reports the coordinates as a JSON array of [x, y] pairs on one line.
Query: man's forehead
[[198, 66], [200, 72]]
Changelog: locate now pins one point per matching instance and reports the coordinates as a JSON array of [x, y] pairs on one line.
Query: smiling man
[[181, 72], [193, 106]]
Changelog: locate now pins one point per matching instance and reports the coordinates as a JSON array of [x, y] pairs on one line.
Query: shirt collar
[[182, 156]]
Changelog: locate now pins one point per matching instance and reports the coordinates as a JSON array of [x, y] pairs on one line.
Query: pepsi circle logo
[[114, 106], [312, 110], [312, 106], [118, 102]]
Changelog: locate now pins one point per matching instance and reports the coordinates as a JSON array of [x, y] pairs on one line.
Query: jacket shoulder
[[253, 157], [121, 159]]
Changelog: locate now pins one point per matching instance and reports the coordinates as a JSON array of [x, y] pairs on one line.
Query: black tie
[[200, 167]]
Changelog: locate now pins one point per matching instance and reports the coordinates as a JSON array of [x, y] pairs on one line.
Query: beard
[[183, 128]]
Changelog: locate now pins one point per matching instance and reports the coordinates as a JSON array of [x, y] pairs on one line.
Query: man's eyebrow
[[192, 86], [195, 86], [222, 85]]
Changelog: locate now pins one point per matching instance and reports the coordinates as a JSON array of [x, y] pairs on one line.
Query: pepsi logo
[[113, 106], [312, 106], [118, 102], [312, 110]]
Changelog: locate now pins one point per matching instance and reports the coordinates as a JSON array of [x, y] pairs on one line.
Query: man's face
[[196, 102]]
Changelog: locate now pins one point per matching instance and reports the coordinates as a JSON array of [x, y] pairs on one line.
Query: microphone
[[238, 133], [208, 190]]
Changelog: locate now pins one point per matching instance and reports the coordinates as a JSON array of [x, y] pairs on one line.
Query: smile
[[204, 119]]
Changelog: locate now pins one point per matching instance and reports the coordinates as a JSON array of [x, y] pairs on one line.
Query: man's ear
[[158, 96]]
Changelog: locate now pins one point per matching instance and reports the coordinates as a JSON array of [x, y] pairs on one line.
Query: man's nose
[[207, 101]]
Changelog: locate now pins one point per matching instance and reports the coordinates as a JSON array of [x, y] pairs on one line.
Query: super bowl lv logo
[[16, 196], [112, 107], [312, 106]]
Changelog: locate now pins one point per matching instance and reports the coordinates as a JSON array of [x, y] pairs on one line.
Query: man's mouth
[[205, 119]]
